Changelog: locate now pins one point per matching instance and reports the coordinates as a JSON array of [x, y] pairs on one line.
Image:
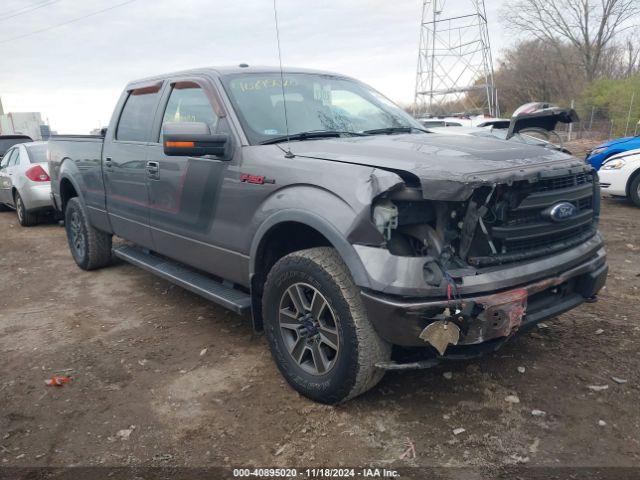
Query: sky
[[74, 74]]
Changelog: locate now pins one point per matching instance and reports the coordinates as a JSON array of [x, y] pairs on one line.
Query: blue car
[[598, 155]]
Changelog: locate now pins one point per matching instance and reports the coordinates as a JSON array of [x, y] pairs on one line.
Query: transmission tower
[[455, 67]]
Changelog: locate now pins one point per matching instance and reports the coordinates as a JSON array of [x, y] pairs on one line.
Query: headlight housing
[[616, 164], [385, 217], [596, 151]]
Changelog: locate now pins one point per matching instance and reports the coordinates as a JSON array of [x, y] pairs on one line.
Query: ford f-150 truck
[[309, 201]]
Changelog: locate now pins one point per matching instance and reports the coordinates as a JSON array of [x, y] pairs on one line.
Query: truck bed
[[81, 154]]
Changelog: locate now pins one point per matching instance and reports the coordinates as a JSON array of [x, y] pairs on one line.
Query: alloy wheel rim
[[77, 235], [309, 329]]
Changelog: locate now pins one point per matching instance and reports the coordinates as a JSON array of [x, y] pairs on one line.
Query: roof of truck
[[234, 69]]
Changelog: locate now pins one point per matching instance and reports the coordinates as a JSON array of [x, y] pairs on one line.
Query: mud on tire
[[351, 361], [90, 248]]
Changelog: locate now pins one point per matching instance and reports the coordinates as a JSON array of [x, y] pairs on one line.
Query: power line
[[73, 20], [19, 9], [28, 9]]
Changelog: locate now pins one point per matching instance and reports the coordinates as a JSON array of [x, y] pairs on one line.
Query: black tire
[[634, 191], [90, 247], [25, 218], [352, 370]]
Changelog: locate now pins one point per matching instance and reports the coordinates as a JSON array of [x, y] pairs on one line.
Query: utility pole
[[455, 65]]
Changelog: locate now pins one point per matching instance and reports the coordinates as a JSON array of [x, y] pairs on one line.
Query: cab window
[[189, 103], [137, 115]]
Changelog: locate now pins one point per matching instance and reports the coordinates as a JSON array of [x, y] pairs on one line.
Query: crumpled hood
[[449, 167]]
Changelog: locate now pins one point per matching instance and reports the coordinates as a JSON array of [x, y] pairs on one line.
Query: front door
[[5, 178], [183, 191], [124, 166]]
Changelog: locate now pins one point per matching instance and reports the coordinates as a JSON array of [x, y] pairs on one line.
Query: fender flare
[[330, 232], [66, 175]]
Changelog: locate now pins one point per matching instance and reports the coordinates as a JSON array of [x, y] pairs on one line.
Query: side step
[[239, 302]]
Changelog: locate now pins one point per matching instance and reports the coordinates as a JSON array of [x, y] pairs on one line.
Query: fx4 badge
[[255, 179]]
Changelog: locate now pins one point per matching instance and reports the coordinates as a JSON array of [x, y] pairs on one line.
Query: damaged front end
[[466, 271]]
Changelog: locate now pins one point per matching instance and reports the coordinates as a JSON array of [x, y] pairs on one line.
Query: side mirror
[[194, 139]]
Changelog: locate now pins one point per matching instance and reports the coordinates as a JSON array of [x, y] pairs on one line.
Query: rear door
[[124, 165], [184, 191]]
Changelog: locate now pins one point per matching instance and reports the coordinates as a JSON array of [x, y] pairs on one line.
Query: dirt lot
[[163, 378]]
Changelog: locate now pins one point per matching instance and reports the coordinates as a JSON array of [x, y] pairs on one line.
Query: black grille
[[568, 181], [522, 227]]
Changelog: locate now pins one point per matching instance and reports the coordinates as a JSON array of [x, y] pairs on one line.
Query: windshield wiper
[[390, 130], [310, 135]]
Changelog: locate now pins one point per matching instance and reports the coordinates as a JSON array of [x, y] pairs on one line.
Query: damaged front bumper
[[496, 313]]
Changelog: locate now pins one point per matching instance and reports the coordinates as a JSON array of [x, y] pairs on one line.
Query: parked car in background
[[532, 123], [25, 185], [598, 155], [434, 122], [8, 141], [499, 133], [620, 176], [462, 121]]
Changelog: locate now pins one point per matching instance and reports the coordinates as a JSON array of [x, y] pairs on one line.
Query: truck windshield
[[314, 103]]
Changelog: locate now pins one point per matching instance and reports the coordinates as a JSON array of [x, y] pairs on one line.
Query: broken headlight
[[385, 217]]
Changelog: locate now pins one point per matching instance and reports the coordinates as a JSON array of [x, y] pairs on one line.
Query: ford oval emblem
[[562, 211]]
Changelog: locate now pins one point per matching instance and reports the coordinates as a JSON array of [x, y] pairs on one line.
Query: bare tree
[[590, 26], [530, 71], [632, 51]]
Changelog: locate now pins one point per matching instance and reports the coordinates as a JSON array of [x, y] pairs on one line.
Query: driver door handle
[[153, 170]]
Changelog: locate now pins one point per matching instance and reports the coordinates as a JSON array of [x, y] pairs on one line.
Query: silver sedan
[[25, 185]]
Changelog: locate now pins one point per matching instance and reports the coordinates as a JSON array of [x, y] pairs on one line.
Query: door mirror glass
[[194, 139]]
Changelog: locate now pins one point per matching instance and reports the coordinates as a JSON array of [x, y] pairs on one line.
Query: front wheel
[[317, 327], [90, 247], [634, 191]]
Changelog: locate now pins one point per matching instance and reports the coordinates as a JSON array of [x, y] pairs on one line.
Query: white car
[[25, 185], [620, 176]]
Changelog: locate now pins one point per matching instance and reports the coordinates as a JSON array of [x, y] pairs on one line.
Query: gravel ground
[[163, 378]]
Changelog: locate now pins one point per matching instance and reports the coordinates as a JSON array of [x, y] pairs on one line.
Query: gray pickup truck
[[309, 201]]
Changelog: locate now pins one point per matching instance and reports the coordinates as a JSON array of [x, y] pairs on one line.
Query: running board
[[198, 283]]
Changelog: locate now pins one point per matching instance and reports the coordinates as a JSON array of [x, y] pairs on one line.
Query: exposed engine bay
[[497, 225]]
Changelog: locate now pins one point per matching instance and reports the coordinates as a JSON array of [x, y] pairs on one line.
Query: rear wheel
[[26, 219], [317, 327], [90, 247], [634, 191]]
